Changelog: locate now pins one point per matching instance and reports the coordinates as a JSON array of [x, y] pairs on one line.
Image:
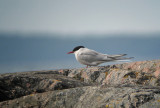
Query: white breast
[[84, 59], [79, 58]]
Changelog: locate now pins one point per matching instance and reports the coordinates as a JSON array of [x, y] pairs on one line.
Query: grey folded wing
[[92, 56]]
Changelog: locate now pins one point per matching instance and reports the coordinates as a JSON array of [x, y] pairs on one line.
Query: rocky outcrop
[[128, 85]]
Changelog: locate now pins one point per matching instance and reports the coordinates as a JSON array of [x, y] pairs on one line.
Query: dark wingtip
[[124, 54], [130, 57]]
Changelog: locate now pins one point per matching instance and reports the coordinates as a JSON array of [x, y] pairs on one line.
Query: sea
[[22, 52]]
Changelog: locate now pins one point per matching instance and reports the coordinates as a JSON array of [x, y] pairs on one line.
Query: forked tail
[[119, 57]]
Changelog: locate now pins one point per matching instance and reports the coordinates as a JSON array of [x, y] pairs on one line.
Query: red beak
[[70, 52]]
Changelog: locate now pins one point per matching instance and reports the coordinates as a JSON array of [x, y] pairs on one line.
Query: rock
[[128, 85], [14, 86], [88, 97], [88, 75]]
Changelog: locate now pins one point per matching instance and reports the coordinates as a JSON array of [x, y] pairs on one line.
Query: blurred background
[[37, 34]]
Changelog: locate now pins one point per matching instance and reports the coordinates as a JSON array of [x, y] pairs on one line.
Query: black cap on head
[[77, 48]]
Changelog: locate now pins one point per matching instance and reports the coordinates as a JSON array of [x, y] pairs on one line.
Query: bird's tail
[[116, 56], [124, 59], [120, 57]]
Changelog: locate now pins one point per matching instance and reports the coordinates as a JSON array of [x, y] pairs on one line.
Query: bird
[[91, 57]]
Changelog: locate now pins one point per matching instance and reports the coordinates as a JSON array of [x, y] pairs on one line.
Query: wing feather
[[91, 55]]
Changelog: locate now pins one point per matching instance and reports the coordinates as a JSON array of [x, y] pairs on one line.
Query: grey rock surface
[[128, 85]]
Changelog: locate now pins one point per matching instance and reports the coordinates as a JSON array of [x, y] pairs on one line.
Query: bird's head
[[75, 49]]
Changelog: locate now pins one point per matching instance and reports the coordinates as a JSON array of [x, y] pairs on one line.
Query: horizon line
[[79, 35]]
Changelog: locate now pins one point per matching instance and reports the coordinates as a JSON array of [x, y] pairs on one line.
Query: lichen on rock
[[128, 85]]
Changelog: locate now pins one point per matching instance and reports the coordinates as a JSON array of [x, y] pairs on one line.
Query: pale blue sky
[[80, 16]]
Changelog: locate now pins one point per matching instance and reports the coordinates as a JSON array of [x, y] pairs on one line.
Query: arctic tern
[[92, 58]]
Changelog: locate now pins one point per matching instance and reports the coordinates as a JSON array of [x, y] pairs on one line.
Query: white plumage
[[92, 58]]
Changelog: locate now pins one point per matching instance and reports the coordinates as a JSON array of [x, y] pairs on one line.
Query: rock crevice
[[128, 85]]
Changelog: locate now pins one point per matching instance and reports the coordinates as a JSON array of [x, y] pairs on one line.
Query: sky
[[69, 23], [80, 16]]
